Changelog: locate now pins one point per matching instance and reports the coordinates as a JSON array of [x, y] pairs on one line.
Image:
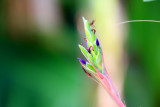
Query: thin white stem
[[130, 21]]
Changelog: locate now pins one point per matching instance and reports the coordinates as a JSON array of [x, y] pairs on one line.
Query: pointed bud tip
[[83, 19], [79, 45], [82, 61]]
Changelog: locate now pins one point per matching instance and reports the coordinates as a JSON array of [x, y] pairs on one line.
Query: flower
[[82, 61], [97, 42], [95, 68]]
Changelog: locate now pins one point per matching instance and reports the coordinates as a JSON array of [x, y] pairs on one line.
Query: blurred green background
[[38, 54], [143, 45]]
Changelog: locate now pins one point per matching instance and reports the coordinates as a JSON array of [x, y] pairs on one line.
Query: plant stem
[[138, 21]]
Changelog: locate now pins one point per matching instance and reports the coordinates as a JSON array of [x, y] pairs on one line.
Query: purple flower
[[97, 42], [82, 61]]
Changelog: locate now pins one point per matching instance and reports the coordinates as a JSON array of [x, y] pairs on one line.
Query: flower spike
[[95, 68]]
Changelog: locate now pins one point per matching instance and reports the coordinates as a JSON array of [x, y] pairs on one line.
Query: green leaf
[[90, 67], [89, 43], [93, 55], [88, 34], [86, 54], [86, 23], [87, 29], [93, 37], [83, 50], [95, 48], [99, 60], [90, 58]]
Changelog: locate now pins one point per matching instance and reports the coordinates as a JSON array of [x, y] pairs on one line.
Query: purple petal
[[97, 42], [82, 61]]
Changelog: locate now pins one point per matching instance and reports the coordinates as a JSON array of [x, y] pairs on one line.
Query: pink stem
[[106, 82], [109, 87], [112, 92]]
